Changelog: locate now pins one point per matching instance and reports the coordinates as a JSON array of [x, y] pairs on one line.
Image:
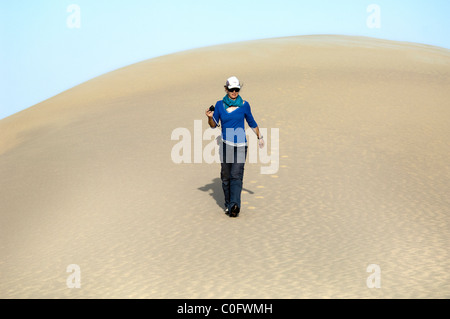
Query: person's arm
[[252, 123], [211, 122], [213, 116], [260, 137], [257, 132]]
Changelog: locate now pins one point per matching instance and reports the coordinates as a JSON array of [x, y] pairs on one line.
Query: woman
[[232, 112]]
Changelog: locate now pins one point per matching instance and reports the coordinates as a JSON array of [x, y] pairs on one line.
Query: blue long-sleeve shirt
[[233, 124]]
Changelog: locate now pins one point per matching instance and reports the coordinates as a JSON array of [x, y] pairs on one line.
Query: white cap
[[233, 82]]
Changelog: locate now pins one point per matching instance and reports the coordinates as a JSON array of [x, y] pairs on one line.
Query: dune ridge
[[87, 178]]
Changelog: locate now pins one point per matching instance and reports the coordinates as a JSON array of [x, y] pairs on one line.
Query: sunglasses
[[234, 90]]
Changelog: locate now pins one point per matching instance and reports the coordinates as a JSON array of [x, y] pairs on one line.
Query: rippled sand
[[87, 178]]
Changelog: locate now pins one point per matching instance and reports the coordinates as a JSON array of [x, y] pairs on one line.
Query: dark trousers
[[232, 173]]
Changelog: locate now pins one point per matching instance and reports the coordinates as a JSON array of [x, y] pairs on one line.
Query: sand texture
[[87, 178]]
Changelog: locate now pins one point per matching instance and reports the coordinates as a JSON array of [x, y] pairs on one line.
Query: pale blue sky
[[40, 56]]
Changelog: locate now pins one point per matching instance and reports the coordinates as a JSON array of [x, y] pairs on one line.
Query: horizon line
[[225, 44]]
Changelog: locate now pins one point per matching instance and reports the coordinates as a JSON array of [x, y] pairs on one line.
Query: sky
[[49, 46]]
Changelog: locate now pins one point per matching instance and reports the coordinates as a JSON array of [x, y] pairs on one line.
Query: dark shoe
[[227, 211], [234, 211]]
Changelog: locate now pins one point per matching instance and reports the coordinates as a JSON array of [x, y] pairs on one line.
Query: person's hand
[[261, 142], [209, 113]]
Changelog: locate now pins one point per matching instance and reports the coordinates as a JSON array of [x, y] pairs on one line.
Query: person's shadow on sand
[[215, 190]]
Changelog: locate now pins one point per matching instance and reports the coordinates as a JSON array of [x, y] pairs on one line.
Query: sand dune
[[87, 178]]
